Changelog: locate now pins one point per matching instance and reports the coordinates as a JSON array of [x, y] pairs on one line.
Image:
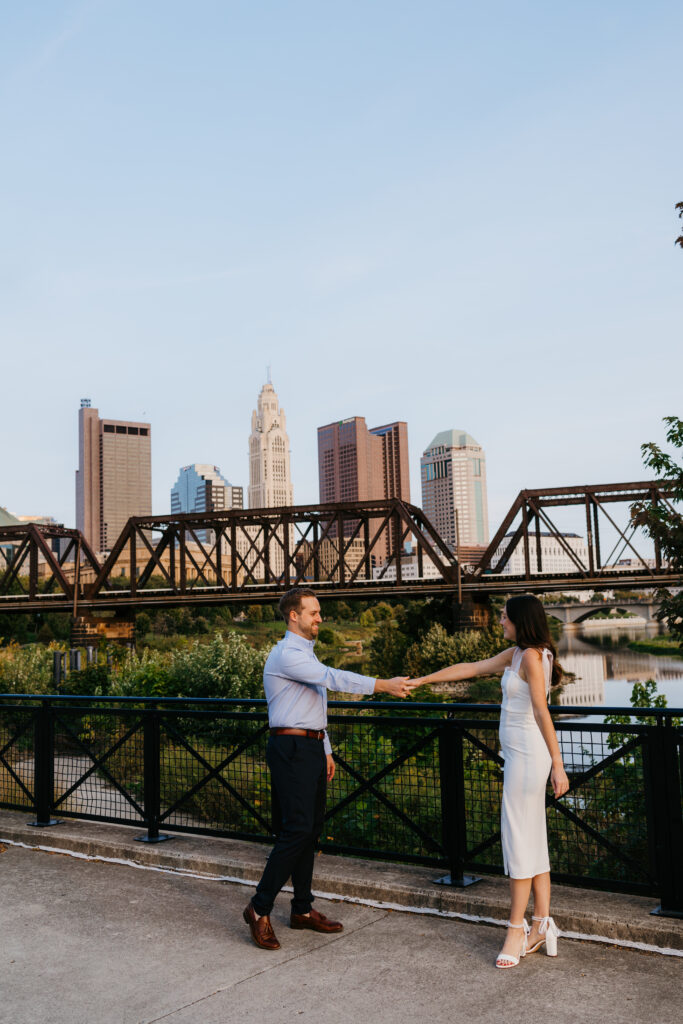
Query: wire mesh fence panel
[[385, 797], [214, 774], [98, 764], [17, 758], [599, 829], [483, 789]]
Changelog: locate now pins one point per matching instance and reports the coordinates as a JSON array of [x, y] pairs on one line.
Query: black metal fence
[[419, 783]]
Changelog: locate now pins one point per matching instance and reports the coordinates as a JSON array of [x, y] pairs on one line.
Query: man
[[300, 759]]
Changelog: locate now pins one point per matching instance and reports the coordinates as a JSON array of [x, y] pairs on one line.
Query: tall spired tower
[[270, 483]]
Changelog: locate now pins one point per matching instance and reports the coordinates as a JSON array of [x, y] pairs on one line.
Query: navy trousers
[[298, 770]]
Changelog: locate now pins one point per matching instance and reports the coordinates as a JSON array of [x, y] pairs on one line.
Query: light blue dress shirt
[[296, 686]]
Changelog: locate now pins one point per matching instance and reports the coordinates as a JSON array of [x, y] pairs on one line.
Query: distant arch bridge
[[574, 612]]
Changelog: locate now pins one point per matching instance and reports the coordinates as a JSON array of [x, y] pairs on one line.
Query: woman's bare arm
[[532, 672], [469, 670]]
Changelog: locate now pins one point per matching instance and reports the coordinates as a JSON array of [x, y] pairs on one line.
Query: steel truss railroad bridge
[[342, 550]]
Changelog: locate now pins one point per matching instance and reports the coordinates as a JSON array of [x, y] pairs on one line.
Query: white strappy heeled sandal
[[504, 960], [549, 933]]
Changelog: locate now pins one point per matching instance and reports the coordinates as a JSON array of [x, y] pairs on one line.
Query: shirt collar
[[299, 641]]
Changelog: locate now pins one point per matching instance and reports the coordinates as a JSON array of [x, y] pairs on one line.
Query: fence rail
[[418, 783]]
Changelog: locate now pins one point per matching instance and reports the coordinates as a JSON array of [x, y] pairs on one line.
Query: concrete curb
[[580, 913]]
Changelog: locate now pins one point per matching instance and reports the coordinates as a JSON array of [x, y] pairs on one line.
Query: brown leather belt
[[313, 734]]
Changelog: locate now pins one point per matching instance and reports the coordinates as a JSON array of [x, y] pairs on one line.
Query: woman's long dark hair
[[527, 615]]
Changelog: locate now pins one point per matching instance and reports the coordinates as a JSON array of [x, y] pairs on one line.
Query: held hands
[[399, 686], [559, 780]]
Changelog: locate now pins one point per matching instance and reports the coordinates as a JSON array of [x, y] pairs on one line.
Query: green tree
[[643, 695], [663, 522], [143, 624], [388, 651], [367, 618], [255, 613]]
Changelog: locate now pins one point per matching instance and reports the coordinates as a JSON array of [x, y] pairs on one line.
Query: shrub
[[438, 649], [224, 667], [382, 611], [326, 635], [26, 669]]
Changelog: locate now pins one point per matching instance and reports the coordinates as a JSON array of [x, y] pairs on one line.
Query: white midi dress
[[527, 766]]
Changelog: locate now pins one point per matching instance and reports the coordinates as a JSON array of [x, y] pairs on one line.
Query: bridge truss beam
[[342, 550], [529, 517]]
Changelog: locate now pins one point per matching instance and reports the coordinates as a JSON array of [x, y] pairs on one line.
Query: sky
[[457, 215]]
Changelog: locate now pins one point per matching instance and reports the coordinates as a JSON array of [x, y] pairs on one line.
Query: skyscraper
[[114, 475], [201, 488], [453, 471], [357, 464], [395, 466], [270, 484]]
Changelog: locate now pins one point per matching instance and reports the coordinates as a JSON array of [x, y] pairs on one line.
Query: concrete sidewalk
[[89, 942], [610, 917]]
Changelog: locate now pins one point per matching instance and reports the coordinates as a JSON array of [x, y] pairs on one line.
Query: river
[[606, 668]]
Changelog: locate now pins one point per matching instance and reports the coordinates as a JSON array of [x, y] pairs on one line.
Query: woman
[[530, 750]]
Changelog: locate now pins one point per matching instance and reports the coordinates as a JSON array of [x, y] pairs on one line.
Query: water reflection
[[605, 668]]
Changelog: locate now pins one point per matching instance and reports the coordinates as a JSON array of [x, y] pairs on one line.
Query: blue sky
[[458, 215]]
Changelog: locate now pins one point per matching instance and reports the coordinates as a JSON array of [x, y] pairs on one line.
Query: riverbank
[[665, 644]]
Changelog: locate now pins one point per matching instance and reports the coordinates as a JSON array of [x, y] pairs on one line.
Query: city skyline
[[471, 222], [276, 415]]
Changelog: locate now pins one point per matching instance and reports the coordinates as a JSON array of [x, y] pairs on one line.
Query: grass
[[666, 644]]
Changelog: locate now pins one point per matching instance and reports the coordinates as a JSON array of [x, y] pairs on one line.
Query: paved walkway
[[579, 912], [87, 942]]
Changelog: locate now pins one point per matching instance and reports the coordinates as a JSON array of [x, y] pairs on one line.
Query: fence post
[[662, 778], [43, 765], [453, 823], [151, 757]]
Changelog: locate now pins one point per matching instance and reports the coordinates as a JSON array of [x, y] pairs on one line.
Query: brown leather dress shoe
[[261, 929], [316, 922]]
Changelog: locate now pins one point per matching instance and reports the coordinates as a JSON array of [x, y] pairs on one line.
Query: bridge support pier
[[472, 613], [90, 630]]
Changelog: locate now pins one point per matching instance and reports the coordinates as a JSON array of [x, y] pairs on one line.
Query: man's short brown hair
[[291, 601]]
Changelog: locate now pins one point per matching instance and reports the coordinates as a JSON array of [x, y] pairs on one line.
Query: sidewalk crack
[[264, 970]]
